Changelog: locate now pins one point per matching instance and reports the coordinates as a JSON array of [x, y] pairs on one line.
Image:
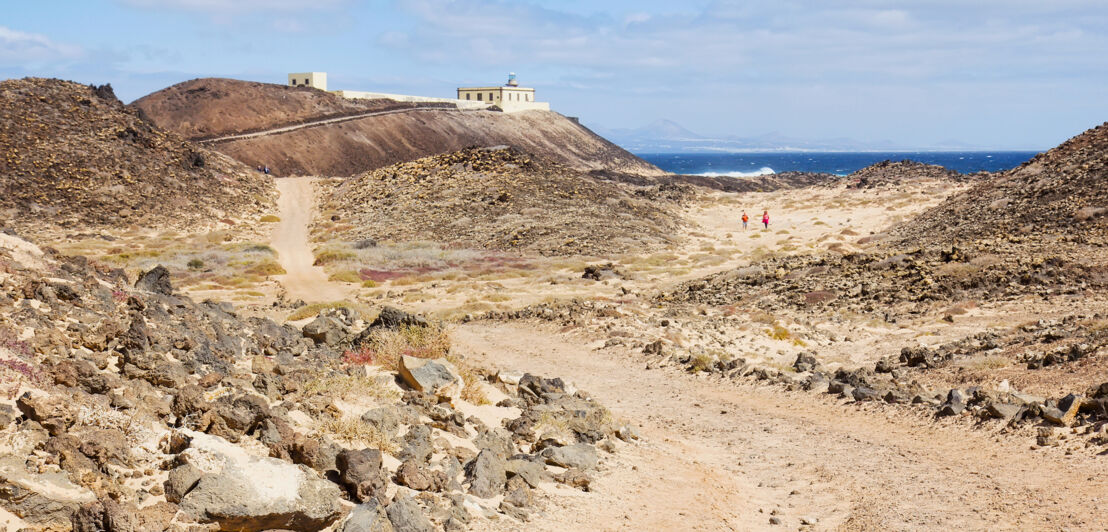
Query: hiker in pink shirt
[[765, 219]]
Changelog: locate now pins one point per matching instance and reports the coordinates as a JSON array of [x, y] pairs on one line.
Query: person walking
[[745, 219], [765, 219]]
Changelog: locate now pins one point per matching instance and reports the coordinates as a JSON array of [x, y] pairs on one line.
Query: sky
[[1007, 74]]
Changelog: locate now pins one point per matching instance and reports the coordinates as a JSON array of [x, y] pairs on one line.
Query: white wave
[[765, 170]]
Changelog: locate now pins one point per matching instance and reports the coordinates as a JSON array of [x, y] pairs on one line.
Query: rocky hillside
[[75, 156], [892, 173], [203, 108], [503, 199], [1062, 193], [125, 406]]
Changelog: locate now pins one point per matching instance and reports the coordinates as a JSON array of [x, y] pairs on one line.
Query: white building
[[510, 97], [315, 80]]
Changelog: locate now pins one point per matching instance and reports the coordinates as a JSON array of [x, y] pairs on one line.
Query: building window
[[490, 96], [467, 95], [307, 81], [479, 95]]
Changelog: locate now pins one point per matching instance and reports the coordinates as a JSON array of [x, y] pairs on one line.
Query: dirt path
[[723, 456], [324, 122], [290, 239]]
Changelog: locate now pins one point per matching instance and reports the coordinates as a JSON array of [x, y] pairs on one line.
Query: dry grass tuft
[[471, 387], [308, 311], [386, 347], [352, 386], [353, 431]]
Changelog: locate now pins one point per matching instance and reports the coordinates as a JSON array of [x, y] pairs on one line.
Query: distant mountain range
[[667, 136]]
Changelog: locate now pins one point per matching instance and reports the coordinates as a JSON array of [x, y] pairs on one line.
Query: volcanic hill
[[502, 198], [74, 156], [1062, 193], [362, 135]]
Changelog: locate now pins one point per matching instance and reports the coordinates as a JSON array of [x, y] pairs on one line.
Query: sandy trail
[[724, 456], [303, 280]]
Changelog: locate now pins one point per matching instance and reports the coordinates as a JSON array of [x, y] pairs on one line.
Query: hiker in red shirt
[[765, 219], [745, 219]]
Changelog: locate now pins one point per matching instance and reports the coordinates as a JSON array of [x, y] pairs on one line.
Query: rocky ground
[[502, 199], [131, 407], [887, 173], [864, 363], [73, 158]]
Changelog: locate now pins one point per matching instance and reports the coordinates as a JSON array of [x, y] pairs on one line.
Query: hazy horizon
[[1011, 75]]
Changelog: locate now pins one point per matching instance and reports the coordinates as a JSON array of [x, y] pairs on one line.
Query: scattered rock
[[406, 516], [437, 377], [579, 456], [486, 475]]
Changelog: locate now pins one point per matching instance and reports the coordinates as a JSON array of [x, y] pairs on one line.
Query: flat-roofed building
[[315, 80], [510, 97]]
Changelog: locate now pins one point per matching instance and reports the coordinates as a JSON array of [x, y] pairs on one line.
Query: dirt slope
[[209, 108], [503, 199], [74, 155]]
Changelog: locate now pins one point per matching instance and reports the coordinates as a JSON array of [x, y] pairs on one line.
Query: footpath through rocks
[[721, 456], [302, 280]]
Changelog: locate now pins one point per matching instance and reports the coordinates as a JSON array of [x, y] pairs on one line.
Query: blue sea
[[839, 163]]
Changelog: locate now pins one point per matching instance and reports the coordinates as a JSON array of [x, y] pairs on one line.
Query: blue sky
[[997, 73]]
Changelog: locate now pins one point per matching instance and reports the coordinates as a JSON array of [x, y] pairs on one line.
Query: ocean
[[839, 163]]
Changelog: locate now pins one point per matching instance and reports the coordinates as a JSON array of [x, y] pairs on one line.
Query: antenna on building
[[512, 82]]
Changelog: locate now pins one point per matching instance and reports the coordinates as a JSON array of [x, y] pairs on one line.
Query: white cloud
[[796, 41], [24, 48], [221, 7]]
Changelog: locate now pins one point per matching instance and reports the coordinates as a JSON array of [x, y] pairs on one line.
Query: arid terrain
[[478, 334], [385, 132]]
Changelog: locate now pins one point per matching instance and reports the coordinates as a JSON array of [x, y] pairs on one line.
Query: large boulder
[[324, 330], [486, 475], [393, 318], [239, 491], [156, 281], [437, 377], [43, 499], [360, 471]]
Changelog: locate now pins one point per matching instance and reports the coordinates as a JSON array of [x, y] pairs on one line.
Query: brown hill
[[211, 107], [73, 155], [1062, 193], [215, 107], [888, 172], [503, 199]]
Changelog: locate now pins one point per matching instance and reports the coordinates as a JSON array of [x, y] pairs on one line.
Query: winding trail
[[718, 455], [324, 122], [302, 280]]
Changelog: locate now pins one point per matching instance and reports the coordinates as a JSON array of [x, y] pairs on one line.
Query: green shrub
[[195, 264]]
